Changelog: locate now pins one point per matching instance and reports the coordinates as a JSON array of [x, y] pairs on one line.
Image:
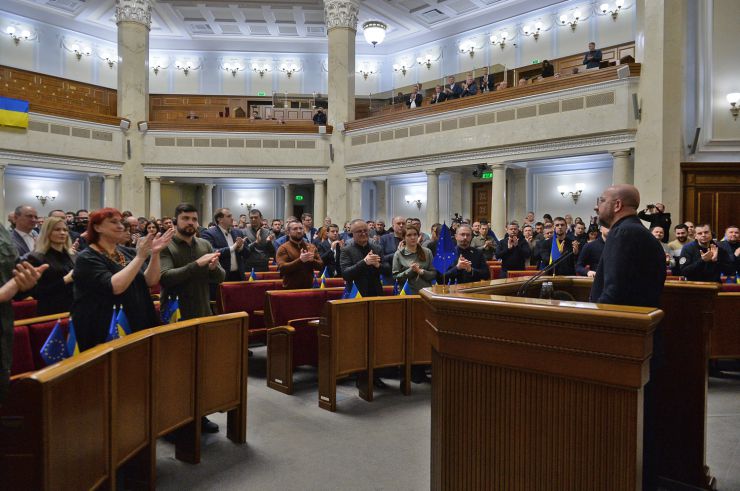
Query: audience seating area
[[24, 309], [74, 424]]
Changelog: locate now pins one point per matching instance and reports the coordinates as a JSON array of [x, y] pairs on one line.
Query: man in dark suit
[[564, 245], [703, 259], [452, 89], [592, 58], [389, 244], [439, 95], [588, 259], [415, 98], [228, 241], [310, 230], [469, 87], [360, 261], [471, 265], [485, 82], [513, 250], [24, 234], [330, 250]]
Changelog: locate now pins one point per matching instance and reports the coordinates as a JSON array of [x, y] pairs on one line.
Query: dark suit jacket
[[567, 267], [20, 244], [479, 269], [366, 278], [486, 84], [595, 60], [471, 89], [218, 241], [590, 256], [455, 91], [418, 99], [331, 259], [512, 259], [441, 97]]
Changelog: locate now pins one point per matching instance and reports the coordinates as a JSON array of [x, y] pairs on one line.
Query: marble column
[[133, 18], [207, 204], [319, 201], [456, 194], [109, 192], [498, 199], [380, 201], [355, 198], [96, 192], [155, 197], [341, 28], [432, 198], [658, 148], [288, 203], [623, 171], [3, 217]]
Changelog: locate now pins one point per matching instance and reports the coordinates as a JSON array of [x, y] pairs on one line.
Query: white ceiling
[[276, 25]]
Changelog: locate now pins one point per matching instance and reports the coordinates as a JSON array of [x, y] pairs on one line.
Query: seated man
[[513, 250], [470, 265], [297, 259], [469, 87], [438, 96], [702, 259]]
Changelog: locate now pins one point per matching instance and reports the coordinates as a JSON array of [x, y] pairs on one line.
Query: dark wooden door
[[711, 194], [481, 209]]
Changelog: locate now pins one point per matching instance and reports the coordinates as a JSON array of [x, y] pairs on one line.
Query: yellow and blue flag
[[72, 347], [112, 327], [122, 323], [252, 276], [13, 112], [325, 272], [557, 249], [55, 346], [323, 283], [354, 293], [406, 290], [171, 312]]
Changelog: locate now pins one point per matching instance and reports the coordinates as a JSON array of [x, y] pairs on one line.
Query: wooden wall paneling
[[711, 194], [386, 336], [418, 343], [482, 201], [725, 334]]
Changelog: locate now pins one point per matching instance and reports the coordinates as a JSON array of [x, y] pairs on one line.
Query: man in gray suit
[[24, 235]]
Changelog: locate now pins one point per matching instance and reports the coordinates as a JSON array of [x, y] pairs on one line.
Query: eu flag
[[395, 288], [445, 256], [72, 347], [315, 281], [112, 328], [347, 288], [55, 347]]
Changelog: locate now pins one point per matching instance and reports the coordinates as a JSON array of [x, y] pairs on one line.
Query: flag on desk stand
[[347, 288], [315, 283], [252, 276], [325, 273], [395, 288], [171, 312], [72, 347], [445, 256], [55, 347], [406, 290], [354, 293], [112, 329], [323, 283], [124, 329]]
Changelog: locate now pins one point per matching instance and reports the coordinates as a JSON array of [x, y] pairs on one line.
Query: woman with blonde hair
[[54, 247]]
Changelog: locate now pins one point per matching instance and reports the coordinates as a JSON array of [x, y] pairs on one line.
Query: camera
[[457, 218]]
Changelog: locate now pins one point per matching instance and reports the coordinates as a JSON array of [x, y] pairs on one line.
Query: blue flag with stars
[[395, 288], [112, 327], [55, 347], [445, 256]]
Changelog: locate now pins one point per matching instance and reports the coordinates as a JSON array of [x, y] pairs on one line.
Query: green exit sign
[[487, 175], [261, 93], [535, 61], [299, 197]]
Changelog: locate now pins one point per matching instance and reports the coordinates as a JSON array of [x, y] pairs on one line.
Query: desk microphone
[[523, 289]]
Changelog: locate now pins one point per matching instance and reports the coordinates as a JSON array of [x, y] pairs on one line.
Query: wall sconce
[[248, 206], [185, 66], [413, 199], [80, 51], [234, 68], [261, 69], [44, 197], [159, 64], [572, 22], [468, 48], [533, 31], [427, 60], [289, 69], [400, 68], [575, 194], [365, 73], [733, 99], [108, 58], [25, 34], [500, 39], [605, 9]]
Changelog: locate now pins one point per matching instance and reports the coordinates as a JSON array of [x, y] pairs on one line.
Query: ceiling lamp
[[374, 31]]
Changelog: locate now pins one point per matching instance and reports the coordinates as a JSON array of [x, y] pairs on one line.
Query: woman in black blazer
[[54, 247]]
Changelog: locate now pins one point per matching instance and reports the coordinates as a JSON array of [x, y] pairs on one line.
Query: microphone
[[523, 289]]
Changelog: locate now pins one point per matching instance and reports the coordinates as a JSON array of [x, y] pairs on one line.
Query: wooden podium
[[540, 394]]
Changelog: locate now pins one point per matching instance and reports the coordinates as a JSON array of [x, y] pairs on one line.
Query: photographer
[[656, 216]]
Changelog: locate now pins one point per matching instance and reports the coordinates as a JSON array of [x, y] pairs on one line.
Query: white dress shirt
[[232, 248]]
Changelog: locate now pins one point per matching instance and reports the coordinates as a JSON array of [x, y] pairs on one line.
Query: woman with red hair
[[107, 275]]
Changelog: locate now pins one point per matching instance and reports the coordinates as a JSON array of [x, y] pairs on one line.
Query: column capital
[[153, 179], [498, 166], [319, 181], [139, 11], [621, 153], [432, 172], [112, 176], [341, 13], [355, 179]]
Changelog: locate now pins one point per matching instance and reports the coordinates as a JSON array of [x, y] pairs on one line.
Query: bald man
[[632, 271]]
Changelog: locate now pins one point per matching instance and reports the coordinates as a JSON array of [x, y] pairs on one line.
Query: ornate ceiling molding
[[139, 11], [341, 13], [623, 139], [243, 171], [57, 162]]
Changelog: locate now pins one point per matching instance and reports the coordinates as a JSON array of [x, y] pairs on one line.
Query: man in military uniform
[[703, 259]]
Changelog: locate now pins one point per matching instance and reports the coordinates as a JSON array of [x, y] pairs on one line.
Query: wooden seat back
[[285, 305], [24, 309]]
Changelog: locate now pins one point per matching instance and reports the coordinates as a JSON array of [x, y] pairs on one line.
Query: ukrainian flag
[[323, 283], [324, 272], [122, 323], [252, 276], [113, 327], [354, 293], [557, 249], [172, 312], [72, 347], [406, 290], [396, 291], [13, 112]]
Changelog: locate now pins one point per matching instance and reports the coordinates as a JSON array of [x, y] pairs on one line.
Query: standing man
[[588, 259], [24, 233], [297, 259], [703, 259], [682, 238], [229, 243], [564, 245], [471, 265], [632, 272], [330, 250], [260, 239], [731, 244], [485, 81], [188, 266], [691, 228], [592, 58], [360, 261], [389, 244], [310, 230], [415, 98], [512, 250], [438, 96], [656, 216], [452, 89]]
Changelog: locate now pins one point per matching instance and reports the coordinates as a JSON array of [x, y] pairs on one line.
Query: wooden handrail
[[242, 126], [548, 85]]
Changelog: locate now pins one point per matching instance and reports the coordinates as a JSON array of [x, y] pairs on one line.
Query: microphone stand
[[523, 289]]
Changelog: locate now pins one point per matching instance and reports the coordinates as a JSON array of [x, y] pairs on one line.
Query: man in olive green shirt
[[188, 266]]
